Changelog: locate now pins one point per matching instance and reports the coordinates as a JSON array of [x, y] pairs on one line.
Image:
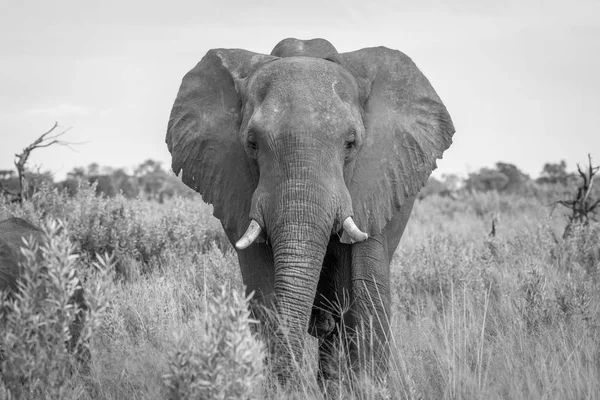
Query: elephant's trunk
[[299, 230]]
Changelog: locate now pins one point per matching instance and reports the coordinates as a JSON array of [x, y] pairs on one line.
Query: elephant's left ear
[[406, 129]]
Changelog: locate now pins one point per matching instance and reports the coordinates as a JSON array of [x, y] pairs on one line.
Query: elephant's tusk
[[250, 236], [352, 230]]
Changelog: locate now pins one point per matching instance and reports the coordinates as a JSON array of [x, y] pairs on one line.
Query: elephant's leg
[[369, 320], [331, 303], [370, 288]]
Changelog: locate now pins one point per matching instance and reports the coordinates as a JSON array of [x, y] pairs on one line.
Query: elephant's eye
[[351, 140], [349, 148], [251, 141], [350, 144]]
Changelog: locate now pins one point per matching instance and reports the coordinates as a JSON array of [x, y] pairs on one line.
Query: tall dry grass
[[514, 316]]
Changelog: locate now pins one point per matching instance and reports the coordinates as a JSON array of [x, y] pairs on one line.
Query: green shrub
[[36, 322], [581, 248], [135, 230], [534, 305], [227, 363]]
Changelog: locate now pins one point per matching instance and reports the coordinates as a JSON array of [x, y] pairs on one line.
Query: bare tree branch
[[592, 172], [47, 139]]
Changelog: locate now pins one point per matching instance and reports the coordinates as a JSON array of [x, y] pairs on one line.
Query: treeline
[[503, 178], [149, 180]]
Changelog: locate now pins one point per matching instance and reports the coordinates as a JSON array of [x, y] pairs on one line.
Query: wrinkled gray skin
[[12, 233], [298, 141]]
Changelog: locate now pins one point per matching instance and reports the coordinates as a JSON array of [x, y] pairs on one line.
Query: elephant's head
[[304, 144]]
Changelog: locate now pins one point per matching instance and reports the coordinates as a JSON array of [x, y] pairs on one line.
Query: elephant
[[312, 160], [12, 232]]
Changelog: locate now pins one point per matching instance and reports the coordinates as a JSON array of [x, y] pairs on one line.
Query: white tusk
[[352, 230], [250, 236]]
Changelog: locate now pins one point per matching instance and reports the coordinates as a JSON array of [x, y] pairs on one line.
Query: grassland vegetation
[[510, 316]]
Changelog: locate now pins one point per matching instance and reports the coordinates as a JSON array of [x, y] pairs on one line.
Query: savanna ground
[[513, 316]]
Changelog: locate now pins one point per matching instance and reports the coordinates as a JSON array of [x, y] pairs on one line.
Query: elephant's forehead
[[304, 93], [305, 80]]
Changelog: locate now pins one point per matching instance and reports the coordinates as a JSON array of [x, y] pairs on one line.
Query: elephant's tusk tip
[[361, 237], [352, 230], [252, 233]]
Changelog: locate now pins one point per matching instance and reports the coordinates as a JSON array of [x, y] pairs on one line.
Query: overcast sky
[[520, 78]]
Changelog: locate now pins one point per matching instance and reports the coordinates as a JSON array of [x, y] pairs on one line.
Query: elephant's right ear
[[203, 135]]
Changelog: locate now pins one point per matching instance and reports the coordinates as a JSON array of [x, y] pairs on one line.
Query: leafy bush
[[36, 335], [129, 229], [580, 249], [228, 361]]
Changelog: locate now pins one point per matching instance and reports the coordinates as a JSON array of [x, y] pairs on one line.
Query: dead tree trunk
[[583, 207]]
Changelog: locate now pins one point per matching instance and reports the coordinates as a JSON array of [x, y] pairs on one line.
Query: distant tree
[[453, 182], [151, 179], [7, 174], [517, 180], [93, 169], [69, 184], [432, 187], [90, 174], [555, 173], [448, 186], [77, 172], [104, 185], [125, 183], [505, 177], [73, 177], [148, 167], [486, 179]]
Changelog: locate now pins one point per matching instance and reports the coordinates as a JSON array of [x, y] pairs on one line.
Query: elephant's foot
[[333, 376], [322, 323]]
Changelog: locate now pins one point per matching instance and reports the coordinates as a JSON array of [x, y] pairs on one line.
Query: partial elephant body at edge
[[312, 160]]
